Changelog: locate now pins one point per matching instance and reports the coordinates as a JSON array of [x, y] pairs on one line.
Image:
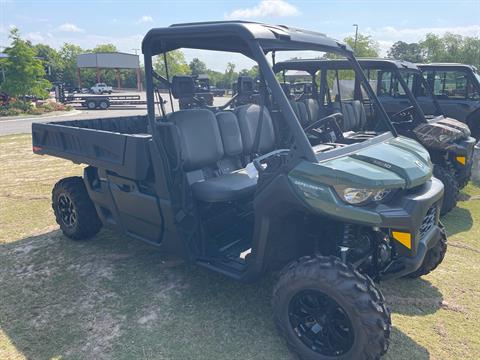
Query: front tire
[[433, 257], [327, 310], [451, 189], [74, 210]]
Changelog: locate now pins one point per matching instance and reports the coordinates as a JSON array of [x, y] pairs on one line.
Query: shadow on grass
[[116, 298], [413, 297], [457, 221]]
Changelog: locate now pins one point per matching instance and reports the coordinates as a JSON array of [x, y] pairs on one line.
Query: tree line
[[31, 69]]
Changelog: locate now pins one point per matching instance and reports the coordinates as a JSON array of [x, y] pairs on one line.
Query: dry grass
[[117, 298]]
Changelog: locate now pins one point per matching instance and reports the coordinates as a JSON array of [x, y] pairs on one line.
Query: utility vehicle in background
[[457, 89], [447, 140], [242, 191]]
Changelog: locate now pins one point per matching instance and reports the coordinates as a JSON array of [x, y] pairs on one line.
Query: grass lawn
[[117, 298]]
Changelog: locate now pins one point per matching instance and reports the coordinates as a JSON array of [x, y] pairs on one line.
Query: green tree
[[52, 62], [104, 48], [197, 67], [229, 76], [451, 48], [25, 73], [404, 51], [433, 48], [252, 72], [365, 47], [177, 64], [68, 54]]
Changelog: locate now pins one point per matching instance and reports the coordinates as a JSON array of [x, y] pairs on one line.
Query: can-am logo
[[419, 164], [382, 164]]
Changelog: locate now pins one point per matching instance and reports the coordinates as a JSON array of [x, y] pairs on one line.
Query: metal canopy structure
[[110, 60]]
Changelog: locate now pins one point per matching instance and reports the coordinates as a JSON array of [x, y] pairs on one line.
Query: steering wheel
[[326, 125], [401, 116]]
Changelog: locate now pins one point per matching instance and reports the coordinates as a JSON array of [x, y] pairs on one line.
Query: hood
[[394, 163], [441, 132]]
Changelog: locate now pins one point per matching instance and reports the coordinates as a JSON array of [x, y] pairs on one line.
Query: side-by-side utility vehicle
[[457, 89], [447, 140], [242, 191]]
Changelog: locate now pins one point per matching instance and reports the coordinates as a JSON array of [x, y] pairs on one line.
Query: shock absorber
[[347, 241]]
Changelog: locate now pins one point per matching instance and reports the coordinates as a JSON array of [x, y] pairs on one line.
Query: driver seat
[[208, 145]]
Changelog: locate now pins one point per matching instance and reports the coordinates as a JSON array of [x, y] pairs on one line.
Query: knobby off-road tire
[[451, 189], [74, 211], [433, 257], [357, 296]]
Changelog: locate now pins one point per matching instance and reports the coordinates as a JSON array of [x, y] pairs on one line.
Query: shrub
[[10, 112], [19, 104]]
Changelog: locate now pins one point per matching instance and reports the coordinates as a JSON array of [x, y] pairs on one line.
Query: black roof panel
[[234, 36], [313, 65]]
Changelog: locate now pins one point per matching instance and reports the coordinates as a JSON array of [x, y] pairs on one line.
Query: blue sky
[[88, 23]]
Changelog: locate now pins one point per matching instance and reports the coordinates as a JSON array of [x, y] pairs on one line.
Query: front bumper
[[404, 265], [462, 149], [421, 219]]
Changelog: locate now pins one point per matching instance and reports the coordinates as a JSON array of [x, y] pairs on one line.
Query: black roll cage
[[255, 41], [312, 66]]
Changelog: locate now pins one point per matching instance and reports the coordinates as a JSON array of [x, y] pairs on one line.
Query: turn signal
[[461, 159], [403, 238]]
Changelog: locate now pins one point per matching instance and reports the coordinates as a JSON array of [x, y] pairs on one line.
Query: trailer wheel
[[104, 104], [451, 188], [325, 309], [74, 210], [91, 104]]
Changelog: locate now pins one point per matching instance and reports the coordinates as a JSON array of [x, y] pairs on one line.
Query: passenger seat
[[354, 116]]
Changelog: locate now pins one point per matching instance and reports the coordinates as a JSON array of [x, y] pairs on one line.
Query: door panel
[[139, 212]]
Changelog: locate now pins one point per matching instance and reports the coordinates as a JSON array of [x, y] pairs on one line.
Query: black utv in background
[[457, 89], [447, 140], [241, 190]]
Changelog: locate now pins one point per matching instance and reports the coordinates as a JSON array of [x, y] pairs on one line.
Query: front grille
[[428, 222]]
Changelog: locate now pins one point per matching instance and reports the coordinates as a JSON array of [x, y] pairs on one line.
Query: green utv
[[240, 190], [338, 89]]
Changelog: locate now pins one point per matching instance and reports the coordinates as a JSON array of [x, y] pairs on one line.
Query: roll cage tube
[[304, 148], [358, 70], [429, 91], [409, 93]]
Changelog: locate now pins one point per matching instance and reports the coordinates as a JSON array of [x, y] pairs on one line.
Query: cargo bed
[[117, 144]]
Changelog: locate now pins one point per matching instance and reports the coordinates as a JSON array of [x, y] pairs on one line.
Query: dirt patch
[[463, 246], [103, 330]]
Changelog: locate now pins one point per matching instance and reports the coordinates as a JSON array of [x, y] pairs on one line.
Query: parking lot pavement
[[24, 124]]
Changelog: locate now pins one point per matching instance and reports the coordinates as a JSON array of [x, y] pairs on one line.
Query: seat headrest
[[245, 85], [183, 86], [286, 88]]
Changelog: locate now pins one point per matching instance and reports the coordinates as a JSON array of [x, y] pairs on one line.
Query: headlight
[[359, 196]]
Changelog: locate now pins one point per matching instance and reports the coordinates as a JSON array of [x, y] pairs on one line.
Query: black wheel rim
[[320, 323], [67, 210]]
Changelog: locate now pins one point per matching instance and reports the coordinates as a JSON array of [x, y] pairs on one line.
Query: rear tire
[[359, 307], [104, 105], [91, 105], [451, 189], [74, 211], [433, 258]]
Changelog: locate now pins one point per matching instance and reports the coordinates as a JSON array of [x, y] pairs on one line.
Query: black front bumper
[[418, 214], [406, 265], [465, 149]]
